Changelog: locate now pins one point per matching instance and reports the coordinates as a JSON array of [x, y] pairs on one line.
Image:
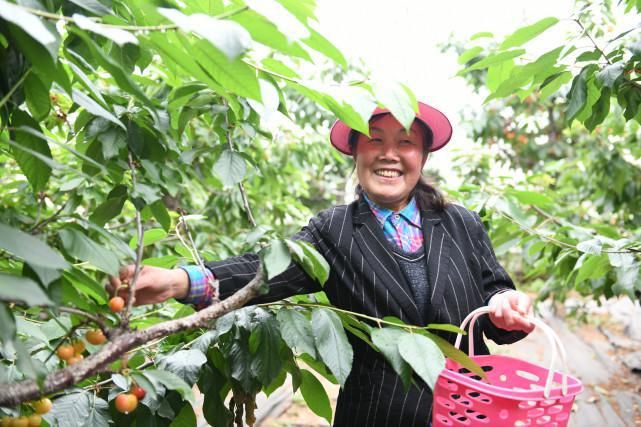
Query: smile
[[388, 173]]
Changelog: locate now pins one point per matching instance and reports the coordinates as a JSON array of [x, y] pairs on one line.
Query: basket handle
[[554, 340]]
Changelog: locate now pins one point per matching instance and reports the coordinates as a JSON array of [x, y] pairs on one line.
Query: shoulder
[[459, 214], [328, 219]]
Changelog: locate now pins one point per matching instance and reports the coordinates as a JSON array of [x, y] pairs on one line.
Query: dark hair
[[428, 197]]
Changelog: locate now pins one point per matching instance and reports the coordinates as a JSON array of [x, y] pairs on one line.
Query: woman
[[399, 250]]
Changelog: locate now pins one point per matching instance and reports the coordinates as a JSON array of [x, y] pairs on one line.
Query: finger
[[127, 272]]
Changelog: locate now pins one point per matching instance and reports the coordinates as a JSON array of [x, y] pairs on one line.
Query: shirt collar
[[410, 212]]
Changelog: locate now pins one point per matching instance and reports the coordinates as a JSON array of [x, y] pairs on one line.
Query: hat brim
[[430, 116]]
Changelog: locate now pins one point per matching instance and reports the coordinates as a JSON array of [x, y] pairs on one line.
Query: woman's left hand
[[508, 310]]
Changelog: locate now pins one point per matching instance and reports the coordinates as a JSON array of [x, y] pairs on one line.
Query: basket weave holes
[[527, 404], [536, 412], [528, 375], [479, 397], [555, 409], [459, 418], [545, 419]]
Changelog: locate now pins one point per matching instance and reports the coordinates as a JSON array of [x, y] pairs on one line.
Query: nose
[[389, 151]]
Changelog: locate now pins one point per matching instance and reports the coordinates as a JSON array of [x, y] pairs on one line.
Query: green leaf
[[143, 382], [577, 97], [184, 363], [482, 34], [172, 382], [114, 68], [265, 343], [14, 288], [319, 43], [525, 34], [32, 25], [8, 322], [235, 76], [493, 59], [592, 246], [86, 284], [149, 237], [296, 331], [276, 258], [314, 264], [265, 32], [93, 6], [185, 418], [469, 54], [82, 247], [610, 73], [160, 213], [331, 343], [281, 17], [553, 83], [386, 340], [592, 267], [94, 108], [227, 36], [600, 109], [29, 248], [455, 354], [79, 409], [230, 167], [34, 167], [315, 395], [37, 97], [120, 37], [425, 358], [111, 207], [397, 100], [531, 198]]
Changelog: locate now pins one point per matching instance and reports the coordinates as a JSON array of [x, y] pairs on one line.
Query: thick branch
[[12, 395]]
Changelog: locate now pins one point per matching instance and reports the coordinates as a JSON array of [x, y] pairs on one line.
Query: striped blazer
[[463, 274]]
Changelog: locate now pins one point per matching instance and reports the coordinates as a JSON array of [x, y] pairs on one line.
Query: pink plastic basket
[[517, 393]]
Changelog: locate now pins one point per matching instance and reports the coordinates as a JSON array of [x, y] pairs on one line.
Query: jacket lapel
[[437, 247], [371, 240]]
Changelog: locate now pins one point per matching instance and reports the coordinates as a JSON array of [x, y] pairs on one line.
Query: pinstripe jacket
[[463, 274]]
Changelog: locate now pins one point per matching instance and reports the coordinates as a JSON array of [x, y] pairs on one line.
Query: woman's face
[[389, 162]]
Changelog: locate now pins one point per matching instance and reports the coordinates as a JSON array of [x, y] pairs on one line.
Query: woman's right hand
[[154, 284]]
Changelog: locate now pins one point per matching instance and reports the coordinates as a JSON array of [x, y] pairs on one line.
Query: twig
[[62, 340], [191, 246], [95, 319], [14, 88], [585, 31], [12, 395], [131, 295], [241, 187], [38, 226]]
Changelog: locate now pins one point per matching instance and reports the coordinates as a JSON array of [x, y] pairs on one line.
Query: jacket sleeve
[[494, 279], [235, 272]]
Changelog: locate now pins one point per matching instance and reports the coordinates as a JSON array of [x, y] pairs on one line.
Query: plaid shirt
[[402, 229]]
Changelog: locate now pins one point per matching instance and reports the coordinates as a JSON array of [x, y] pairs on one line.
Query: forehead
[[387, 122]]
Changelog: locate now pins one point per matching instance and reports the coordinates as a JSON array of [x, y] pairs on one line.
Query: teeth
[[388, 173]]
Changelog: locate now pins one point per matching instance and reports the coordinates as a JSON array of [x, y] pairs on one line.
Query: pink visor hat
[[430, 116]]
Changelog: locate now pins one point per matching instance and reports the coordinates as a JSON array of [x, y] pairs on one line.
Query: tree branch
[[12, 395]]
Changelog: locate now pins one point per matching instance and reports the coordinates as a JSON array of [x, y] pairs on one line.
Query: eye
[[407, 141], [375, 140]]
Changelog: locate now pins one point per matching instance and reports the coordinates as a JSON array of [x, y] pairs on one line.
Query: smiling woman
[[398, 250]]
